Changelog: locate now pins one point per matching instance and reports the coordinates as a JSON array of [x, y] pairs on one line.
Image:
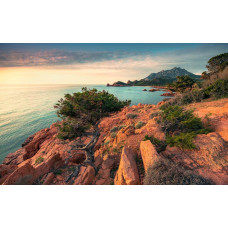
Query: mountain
[[173, 73], [161, 78]]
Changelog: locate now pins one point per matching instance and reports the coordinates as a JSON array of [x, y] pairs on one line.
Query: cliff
[[121, 155]]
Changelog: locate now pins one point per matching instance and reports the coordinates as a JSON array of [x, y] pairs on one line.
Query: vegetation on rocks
[[139, 125], [165, 172], [182, 83], [39, 160], [84, 109], [180, 126], [159, 145], [131, 116]]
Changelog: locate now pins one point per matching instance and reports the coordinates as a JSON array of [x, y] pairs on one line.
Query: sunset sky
[[98, 63]]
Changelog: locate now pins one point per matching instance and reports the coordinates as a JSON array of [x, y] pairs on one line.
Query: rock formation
[[121, 156]]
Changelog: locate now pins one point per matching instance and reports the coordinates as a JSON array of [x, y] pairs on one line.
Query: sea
[[26, 109]]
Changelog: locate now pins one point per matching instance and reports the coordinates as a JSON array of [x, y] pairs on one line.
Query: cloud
[[193, 59], [15, 58]]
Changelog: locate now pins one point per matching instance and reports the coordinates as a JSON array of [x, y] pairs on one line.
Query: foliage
[[84, 109], [113, 135], [58, 172], [181, 126], [217, 90], [182, 83], [117, 128], [159, 145], [139, 125], [165, 172], [131, 116], [217, 63], [154, 114], [39, 160]]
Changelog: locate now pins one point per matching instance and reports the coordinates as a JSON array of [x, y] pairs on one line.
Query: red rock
[[85, 176], [208, 160], [168, 94], [148, 153], [49, 178], [24, 174], [127, 173]]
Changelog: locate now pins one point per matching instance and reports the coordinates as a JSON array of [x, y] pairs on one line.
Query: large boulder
[[127, 173], [148, 153]]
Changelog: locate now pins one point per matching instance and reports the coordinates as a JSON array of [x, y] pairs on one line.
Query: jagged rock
[[15, 158], [127, 173], [24, 174], [104, 173], [49, 178], [85, 176], [148, 153]]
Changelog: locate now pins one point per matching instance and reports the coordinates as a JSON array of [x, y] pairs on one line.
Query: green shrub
[[165, 172], [106, 142], [84, 109], [182, 83], [117, 128], [114, 129], [139, 125], [217, 90], [181, 126], [39, 160], [154, 114], [58, 172], [113, 135], [159, 145], [195, 95], [183, 140], [131, 116]]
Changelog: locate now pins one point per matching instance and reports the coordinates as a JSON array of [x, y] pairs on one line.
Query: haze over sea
[[26, 109]]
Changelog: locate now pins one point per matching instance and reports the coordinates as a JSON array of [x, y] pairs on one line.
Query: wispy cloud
[[141, 63]]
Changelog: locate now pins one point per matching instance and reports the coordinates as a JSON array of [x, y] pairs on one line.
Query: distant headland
[[161, 78]]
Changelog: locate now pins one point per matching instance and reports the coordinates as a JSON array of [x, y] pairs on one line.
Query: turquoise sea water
[[26, 109]]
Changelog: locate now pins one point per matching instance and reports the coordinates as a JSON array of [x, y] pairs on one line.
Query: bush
[[154, 114], [181, 126], [165, 172], [182, 83], [131, 116], [39, 160], [117, 128], [139, 125], [183, 140], [84, 109], [113, 135], [217, 90], [159, 145], [195, 95]]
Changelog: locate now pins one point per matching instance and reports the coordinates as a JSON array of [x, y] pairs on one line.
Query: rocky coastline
[[121, 156]]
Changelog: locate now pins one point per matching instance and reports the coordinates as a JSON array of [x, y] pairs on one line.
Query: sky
[[99, 63]]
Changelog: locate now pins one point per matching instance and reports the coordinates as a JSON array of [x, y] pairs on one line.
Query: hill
[[172, 73], [161, 78]]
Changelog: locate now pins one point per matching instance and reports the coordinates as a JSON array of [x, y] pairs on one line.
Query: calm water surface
[[25, 109]]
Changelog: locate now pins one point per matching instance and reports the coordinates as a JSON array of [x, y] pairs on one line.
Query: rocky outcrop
[[148, 153], [120, 154], [85, 176], [127, 173], [209, 160], [168, 94]]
